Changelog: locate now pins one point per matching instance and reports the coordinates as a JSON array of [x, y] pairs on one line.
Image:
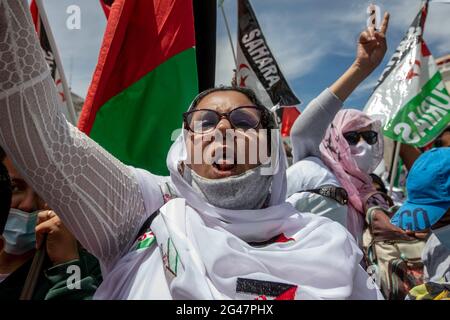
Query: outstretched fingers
[[385, 23]]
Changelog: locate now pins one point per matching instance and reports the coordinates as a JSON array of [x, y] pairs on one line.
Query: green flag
[[411, 98], [145, 79]]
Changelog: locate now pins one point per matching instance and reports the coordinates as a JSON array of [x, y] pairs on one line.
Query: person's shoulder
[[312, 166], [309, 173]]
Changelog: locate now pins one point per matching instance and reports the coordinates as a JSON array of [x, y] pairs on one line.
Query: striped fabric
[[95, 195]]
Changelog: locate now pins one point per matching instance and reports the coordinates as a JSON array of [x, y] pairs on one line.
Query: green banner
[[423, 117]]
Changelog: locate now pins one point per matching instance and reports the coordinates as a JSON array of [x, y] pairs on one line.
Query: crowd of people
[[324, 228]]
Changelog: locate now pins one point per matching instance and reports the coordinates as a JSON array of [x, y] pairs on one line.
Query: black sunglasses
[[206, 120], [353, 137]]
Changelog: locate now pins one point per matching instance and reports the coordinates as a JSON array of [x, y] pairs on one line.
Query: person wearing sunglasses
[[362, 144], [351, 149], [217, 228], [347, 142]]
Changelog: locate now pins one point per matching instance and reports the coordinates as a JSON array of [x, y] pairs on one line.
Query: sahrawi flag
[[51, 61], [257, 68], [145, 79], [410, 97]]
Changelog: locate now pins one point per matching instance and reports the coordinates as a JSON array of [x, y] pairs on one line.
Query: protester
[[409, 155], [351, 150], [5, 195], [428, 207], [227, 232], [346, 141], [19, 235], [5, 200], [443, 140]]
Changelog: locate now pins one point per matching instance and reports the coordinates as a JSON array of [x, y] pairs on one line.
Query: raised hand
[[372, 47], [371, 50], [61, 244]]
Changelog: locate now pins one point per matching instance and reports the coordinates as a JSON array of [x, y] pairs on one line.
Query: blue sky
[[314, 41]]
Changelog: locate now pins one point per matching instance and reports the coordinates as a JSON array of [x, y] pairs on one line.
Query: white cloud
[[302, 35]]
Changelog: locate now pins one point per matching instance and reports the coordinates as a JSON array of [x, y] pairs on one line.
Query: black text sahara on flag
[[257, 68]]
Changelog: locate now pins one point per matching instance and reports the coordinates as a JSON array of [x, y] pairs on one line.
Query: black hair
[[268, 119], [376, 179], [438, 141], [5, 196]]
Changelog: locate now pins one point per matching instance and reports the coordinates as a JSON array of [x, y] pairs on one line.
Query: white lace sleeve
[[97, 197]]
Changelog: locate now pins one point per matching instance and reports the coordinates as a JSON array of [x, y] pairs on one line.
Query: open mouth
[[224, 170], [224, 166], [224, 161]]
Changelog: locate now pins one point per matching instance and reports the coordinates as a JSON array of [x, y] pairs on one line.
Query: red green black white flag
[[145, 79]]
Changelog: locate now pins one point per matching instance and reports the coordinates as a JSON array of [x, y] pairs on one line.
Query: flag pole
[[205, 20], [397, 143], [227, 26], [35, 271], [59, 66], [394, 169]]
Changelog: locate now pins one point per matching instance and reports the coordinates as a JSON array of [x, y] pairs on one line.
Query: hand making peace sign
[[372, 46]]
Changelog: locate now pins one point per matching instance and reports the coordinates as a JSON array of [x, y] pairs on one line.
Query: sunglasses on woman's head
[[352, 137], [206, 120]]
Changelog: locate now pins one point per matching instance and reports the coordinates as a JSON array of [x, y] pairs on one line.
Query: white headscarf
[[206, 251]]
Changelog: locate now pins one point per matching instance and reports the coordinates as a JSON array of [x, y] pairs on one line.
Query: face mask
[[443, 235], [246, 191], [362, 152], [19, 234]]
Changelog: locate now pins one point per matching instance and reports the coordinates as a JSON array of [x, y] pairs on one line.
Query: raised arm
[[96, 196], [309, 129]]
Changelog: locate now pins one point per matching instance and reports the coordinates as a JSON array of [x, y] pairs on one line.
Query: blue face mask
[[19, 234], [443, 235]]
